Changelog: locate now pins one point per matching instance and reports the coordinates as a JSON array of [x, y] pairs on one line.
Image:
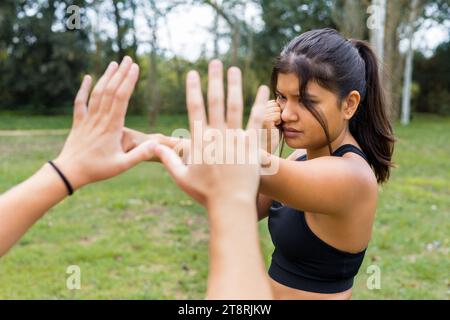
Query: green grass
[[138, 237], [15, 122]]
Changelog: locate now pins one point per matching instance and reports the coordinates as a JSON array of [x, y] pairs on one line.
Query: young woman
[[99, 147], [321, 202]]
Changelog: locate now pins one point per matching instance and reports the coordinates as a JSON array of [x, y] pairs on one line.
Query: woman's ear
[[351, 104]]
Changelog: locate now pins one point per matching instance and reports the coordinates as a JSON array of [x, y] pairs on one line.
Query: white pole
[[376, 23], [407, 76]]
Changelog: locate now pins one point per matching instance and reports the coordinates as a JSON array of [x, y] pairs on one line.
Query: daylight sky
[[184, 31]]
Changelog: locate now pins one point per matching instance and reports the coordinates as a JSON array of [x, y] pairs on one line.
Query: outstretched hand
[[93, 150], [204, 178]]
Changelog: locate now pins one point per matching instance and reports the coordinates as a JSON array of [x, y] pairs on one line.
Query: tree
[[407, 76], [350, 18], [43, 59], [122, 14], [392, 60], [283, 20], [432, 76], [376, 24], [229, 12], [397, 18], [154, 13]]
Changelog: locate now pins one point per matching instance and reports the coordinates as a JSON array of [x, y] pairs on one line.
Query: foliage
[[433, 78]]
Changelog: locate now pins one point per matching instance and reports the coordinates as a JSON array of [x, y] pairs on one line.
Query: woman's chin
[[294, 143]]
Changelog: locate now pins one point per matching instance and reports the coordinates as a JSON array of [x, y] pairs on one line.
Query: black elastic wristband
[[63, 177]]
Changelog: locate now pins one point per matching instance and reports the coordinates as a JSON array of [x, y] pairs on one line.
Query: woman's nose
[[288, 113]]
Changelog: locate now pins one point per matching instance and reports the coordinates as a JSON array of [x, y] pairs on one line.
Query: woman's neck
[[343, 138]]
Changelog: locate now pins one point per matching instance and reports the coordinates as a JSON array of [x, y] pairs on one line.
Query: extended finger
[[194, 102], [81, 99], [113, 85], [97, 92], [257, 113], [215, 94], [122, 97], [235, 104]]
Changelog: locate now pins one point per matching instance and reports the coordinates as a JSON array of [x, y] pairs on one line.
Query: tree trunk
[[176, 61], [154, 95], [393, 62], [407, 77], [377, 26], [117, 21], [235, 42], [235, 26], [135, 40], [216, 35], [155, 101], [98, 63], [349, 16]]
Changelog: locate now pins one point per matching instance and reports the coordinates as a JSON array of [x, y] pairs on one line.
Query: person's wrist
[[73, 172], [230, 213], [50, 180], [230, 200]]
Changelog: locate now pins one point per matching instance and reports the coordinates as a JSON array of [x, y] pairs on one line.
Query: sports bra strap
[[339, 152], [349, 148]]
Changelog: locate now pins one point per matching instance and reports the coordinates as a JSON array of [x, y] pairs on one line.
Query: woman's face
[[300, 128]]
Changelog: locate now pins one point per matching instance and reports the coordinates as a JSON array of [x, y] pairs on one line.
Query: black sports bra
[[303, 261]]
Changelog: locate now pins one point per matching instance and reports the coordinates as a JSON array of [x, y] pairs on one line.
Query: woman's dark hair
[[341, 66]]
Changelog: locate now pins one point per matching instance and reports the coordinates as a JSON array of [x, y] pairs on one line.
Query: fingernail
[[111, 65], [234, 72], [134, 68], [215, 65], [191, 76], [265, 91], [127, 59], [87, 80]]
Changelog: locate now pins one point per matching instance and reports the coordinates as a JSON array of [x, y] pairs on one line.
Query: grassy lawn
[[138, 237]]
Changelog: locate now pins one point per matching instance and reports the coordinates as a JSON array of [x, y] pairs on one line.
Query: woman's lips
[[291, 132]]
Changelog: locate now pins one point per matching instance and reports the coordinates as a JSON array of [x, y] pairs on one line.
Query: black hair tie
[[63, 177]]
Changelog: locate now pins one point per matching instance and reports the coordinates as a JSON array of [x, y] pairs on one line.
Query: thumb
[[143, 152], [173, 163]]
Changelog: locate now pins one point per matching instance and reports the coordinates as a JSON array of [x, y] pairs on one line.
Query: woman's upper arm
[[328, 185], [263, 206]]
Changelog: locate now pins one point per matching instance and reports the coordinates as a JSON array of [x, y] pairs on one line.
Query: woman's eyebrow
[[293, 95], [310, 96], [313, 97]]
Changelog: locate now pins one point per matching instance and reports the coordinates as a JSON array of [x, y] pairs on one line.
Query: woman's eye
[[280, 97]]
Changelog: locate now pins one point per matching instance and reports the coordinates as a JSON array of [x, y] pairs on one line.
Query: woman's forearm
[[23, 205], [236, 267]]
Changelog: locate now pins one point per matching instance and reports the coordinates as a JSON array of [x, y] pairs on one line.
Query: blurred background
[[138, 236], [47, 45]]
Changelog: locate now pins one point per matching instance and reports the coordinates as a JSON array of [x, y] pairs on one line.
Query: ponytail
[[370, 125]]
